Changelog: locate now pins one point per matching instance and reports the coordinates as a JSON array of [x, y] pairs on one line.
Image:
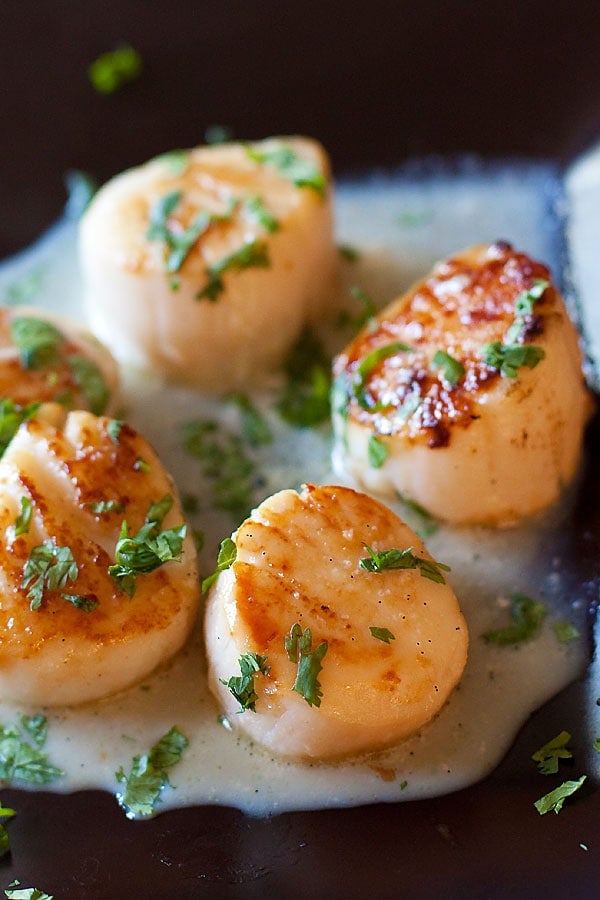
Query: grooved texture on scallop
[[298, 560]]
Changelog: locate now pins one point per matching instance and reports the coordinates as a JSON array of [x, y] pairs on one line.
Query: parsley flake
[[523, 305], [301, 172], [527, 617], [90, 380], [15, 892], [79, 601], [258, 212], [225, 559], [298, 646], [403, 559], [378, 451], [178, 240], [115, 68], [509, 358], [23, 520], [48, 567], [226, 462], [5, 813], [24, 290], [382, 634], [305, 399], [11, 417], [422, 521], [366, 366], [452, 369], [36, 340], [242, 686], [555, 799], [255, 429], [547, 757], [104, 507], [21, 760], [565, 632], [149, 775], [252, 254]]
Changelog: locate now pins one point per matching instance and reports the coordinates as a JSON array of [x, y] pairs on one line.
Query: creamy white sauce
[[400, 227]]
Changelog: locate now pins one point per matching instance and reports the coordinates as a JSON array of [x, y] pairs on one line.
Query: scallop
[[206, 265], [46, 357], [98, 578], [466, 395], [332, 631]]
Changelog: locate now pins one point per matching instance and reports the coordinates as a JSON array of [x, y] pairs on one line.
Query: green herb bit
[[382, 634], [298, 646], [179, 241], [524, 304], [15, 892], [348, 252], [104, 507], [149, 775], [366, 367], [366, 315], [452, 369], [80, 601], [508, 359], [48, 567], [21, 761], [412, 218], [424, 523], [157, 511], [555, 799], [527, 617], [175, 160], [113, 429], [115, 68], [596, 745], [225, 559], [23, 520], [403, 559], [142, 465], [36, 340], [301, 172], [90, 381], [255, 429], [565, 632], [252, 254], [305, 399], [242, 686], [25, 289], [547, 757], [217, 134], [5, 813], [146, 551], [378, 451], [225, 462], [259, 213]]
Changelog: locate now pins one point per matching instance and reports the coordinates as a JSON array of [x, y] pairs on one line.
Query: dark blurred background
[[377, 82]]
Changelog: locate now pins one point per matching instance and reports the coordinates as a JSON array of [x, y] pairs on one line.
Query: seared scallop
[[466, 395], [330, 630], [46, 357], [98, 579], [206, 264]]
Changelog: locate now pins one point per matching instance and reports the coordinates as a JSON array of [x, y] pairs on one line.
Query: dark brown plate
[[377, 85]]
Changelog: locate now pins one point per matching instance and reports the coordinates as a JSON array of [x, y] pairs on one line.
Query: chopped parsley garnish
[[23, 520], [555, 799], [5, 813], [368, 364], [255, 429], [452, 369], [25, 288], [242, 686], [305, 398], [547, 757], [348, 252], [113, 429], [423, 522], [146, 551], [403, 559], [22, 761], [378, 451], [259, 213], [252, 254], [149, 775], [225, 462], [176, 160], [217, 134], [142, 465], [524, 304], [11, 417], [382, 634], [80, 601], [509, 358], [178, 240], [565, 632], [301, 172], [90, 380], [36, 340], [15, 892], [596, 745], [298, 646], [115, 68], [527, 617], [368, 312], [48, 568], [225, 559]]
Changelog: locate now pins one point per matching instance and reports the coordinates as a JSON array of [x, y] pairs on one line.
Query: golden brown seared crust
[[467, 302]]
